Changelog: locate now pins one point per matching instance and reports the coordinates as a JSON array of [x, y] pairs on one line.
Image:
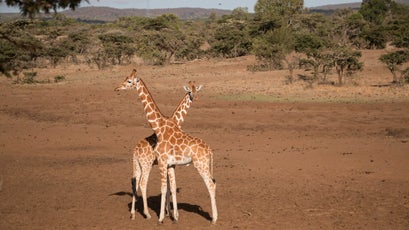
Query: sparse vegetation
[[281, 37], [59, 78]]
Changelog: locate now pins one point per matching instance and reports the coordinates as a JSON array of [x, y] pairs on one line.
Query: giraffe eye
[[129, 81]]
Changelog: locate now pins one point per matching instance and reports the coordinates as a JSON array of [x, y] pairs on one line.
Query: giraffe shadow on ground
[[154, 204]]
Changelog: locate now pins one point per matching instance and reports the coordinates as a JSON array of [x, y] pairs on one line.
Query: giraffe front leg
[[172, 185], [167, 208], [164, 187]]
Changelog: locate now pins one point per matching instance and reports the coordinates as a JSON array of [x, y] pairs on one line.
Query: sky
[[210, 4]]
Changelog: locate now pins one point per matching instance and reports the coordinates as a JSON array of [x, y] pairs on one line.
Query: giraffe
[[143, 156], [174, 147]]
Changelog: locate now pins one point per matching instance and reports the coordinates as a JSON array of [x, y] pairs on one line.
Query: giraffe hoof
[[132, 216], [148, 217]]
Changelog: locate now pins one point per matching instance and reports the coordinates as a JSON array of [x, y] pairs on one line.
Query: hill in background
[[111, 14], [107, 14], [330, 8]]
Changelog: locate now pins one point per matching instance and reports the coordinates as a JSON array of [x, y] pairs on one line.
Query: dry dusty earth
[[286, 156]]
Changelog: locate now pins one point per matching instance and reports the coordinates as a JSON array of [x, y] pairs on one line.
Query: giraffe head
[[192, 90], [131, 82]]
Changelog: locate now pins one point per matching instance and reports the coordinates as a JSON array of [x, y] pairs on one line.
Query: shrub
[[59, 78]]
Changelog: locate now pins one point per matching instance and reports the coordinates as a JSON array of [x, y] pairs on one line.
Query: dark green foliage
[[231, 38], [387, 21], [18, 47], [117, 47], [375, 11], [32, 7], [56, 53], [375, 37], [29, 78], [162, 40], [398, 26], [59, 78], [346, 62], [274, 45], [309, 43], [393, 61], [276, 13]]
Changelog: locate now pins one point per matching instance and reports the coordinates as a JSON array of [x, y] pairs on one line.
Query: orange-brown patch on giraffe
[[179, 141], [178, 135], [172, 139]]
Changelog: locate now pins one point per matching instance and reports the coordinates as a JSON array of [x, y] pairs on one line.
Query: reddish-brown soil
[[287, 156]]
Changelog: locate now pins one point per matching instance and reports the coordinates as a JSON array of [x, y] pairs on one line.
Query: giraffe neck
[[152, 111], [181, 111]]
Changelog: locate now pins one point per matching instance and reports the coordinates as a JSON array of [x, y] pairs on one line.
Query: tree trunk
[[395, 77], [340, 73]]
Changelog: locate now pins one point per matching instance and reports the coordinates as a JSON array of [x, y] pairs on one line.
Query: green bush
[[59, 78]]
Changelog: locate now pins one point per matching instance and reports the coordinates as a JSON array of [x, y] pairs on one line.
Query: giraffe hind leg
[[204, 172], [146, 169], [133, 181], [136, 176]]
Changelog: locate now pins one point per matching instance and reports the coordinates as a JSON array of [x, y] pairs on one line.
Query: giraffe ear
[[199, 87], [187, 89]]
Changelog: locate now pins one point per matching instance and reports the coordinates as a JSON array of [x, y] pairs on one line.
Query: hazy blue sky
[[153, 4]]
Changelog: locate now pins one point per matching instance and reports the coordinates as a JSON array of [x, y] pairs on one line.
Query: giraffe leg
[[136, 175], [167, 208], [164, 185], [204, 172], [146, 169], [172, 185]]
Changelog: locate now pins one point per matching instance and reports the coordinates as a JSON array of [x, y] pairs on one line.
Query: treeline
[[280, 33]]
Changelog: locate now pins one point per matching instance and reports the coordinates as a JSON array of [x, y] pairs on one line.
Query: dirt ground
[[287, 156]]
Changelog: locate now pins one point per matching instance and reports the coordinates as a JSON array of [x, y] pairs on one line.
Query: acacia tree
[[394, 61], [346, 62], [324, 55], [277, 12], [274, 49], [160, 40], [376, 13], [33, 7], [117, 47], [347, 26], [275, 40], [231, 36], [18, 47], [317, 51]]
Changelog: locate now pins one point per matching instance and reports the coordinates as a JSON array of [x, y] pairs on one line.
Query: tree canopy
[[33, 7]]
